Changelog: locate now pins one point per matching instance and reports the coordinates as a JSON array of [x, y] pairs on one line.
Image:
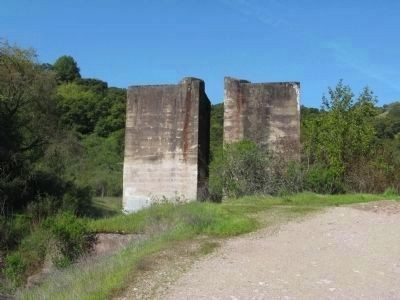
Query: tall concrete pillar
[[166, 143], [266, 113]]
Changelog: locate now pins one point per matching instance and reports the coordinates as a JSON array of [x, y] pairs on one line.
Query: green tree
[[80, 107], [27, 118], [99, 164], [66, 68], [387, 124], [342, 133], [114, 119], [91, 108]]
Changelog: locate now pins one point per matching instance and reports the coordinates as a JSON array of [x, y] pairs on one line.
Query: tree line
[[61, 136]]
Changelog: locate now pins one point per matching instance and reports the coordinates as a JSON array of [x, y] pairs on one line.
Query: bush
[[27, 258], [77, 199], [62, 238], [70, 236], [321, 179], [12, 230], [243, 168], [216, 177], [15, 268], [43, 206], [391, 191]]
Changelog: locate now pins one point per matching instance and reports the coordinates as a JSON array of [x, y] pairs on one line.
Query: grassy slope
[[167, 224]]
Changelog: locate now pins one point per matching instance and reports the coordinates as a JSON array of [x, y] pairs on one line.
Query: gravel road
[[341, 253]]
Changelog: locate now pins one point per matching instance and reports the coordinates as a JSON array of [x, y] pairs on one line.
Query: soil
[[157, 273], [107, 243], [350, 252]]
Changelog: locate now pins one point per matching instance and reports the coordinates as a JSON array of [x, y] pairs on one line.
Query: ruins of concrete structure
[[166, 143], [266, 113]]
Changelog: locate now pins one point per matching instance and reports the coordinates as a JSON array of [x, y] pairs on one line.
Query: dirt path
[[342, 253]]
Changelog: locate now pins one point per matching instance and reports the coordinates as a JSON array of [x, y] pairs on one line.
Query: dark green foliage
[[95, 85], [243, 168], [61, 139], [50, 194], [71, 198], [114, 119], [217, 128], [337, 137], [87, 106], [77, 199], [101, 165], [61, 238], [12, 230], [27, 122], [351, 145], [79, 106], [93, 156], [66, 69], [322, 179], [27, 258], [387, 124], [70, 235]]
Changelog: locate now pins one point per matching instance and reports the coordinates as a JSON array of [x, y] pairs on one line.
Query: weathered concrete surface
[[166, 143], [266, 113]]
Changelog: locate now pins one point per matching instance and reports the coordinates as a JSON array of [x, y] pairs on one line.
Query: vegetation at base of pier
[[348, 146], [61, 144]]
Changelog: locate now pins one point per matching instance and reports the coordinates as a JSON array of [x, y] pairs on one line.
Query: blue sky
[[145, 42]]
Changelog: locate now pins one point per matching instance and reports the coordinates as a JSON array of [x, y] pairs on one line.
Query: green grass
[[107, 206], [254, 204], [166, 224], [201, 218]]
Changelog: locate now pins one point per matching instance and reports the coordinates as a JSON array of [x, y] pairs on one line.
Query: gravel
[[341, 253]]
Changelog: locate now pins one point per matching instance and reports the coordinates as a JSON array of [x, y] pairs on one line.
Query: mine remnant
[[266, 113], [166, 143]]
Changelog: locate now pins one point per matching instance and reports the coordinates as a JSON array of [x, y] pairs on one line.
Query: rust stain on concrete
[[162, 141]]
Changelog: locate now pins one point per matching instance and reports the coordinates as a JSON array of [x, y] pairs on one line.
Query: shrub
[[215, 181], [43, 206], [243, 168], [27, 258], [62, 238], [12, 230], [77, 199], [391, 191], [15, 268], [69, 235], [322, 179]]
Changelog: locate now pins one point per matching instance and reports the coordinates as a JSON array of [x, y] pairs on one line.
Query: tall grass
[[205, 218]]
